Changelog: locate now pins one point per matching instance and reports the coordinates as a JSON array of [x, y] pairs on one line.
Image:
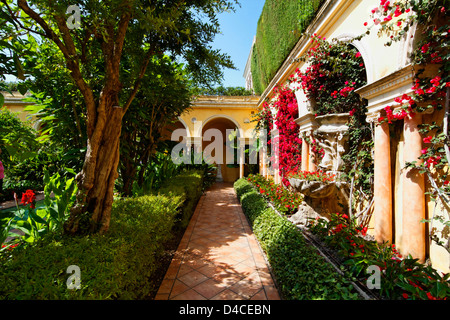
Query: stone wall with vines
[[430, 93]]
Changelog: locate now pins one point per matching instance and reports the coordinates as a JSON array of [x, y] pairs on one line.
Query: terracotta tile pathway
[[218, 257]]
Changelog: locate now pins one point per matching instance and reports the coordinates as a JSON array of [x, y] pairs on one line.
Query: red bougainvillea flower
[[430, 296], [425, 48], [29, 198], [11, 247], [427, 139]]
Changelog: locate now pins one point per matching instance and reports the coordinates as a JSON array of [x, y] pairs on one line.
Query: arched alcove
[[216, 131], [362, 47]]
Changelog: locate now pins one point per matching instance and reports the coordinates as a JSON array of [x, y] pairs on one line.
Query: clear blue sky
[[238, 29]]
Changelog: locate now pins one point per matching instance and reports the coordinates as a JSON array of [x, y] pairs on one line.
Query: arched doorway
[[218, 148]]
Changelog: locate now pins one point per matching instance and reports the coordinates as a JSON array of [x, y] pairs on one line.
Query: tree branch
[[69, 51], [137, 83]]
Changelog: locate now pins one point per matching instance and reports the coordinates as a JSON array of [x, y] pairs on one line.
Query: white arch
[[363, 49], [199, 129], [407, 47], [185, 126]]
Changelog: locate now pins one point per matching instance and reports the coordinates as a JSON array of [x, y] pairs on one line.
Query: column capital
[[373, 116]]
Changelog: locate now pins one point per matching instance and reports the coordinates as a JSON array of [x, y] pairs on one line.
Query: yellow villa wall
[[236, 109], [14, 103], [214, 112]]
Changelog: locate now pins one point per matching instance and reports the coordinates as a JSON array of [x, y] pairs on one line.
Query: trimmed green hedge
[[301, 273], [279, 28], [118, 265], [189, 184]]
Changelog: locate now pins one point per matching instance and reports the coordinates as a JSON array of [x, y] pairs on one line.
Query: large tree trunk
[[92, 212]]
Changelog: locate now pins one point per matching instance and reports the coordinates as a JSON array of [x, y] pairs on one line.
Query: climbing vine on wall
[[289, 143], [431, 59], [264, 124], [335, 70]]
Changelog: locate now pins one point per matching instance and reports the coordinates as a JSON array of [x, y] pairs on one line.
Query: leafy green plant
[[157, 172], [121, 264], [59, 197], [33, 224], [5, 231]]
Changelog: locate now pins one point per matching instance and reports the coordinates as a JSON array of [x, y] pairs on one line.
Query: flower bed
[[400, 277], [313, 176], [300, 272], [285, 201]]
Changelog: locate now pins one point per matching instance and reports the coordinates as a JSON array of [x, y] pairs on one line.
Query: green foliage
[[156, 173], [118, 265], [59, 197], [25, 159], [223, 91], [35, 222], [17, 138], [279, 28], [164, 96], [299, 271], [11, 42], [188, 184], [401, 277]]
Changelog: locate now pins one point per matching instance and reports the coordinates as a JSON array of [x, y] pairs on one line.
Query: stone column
[[263, 160], [197, 143], [382, 185], [312, 165], [305, 155], [413, 238]]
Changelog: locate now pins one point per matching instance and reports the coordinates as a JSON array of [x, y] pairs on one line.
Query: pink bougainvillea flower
[[435, 81], [431, 90]]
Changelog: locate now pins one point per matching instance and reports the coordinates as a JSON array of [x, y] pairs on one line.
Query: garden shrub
[[117, 265], [189, 184], [301, 273]]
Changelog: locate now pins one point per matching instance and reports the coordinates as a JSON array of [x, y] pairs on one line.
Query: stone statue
[[333, 145]]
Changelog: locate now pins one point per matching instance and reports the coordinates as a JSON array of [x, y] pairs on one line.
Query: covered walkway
[[218, 257]]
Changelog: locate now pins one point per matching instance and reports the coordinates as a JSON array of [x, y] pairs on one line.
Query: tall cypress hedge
[[279, 28]]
